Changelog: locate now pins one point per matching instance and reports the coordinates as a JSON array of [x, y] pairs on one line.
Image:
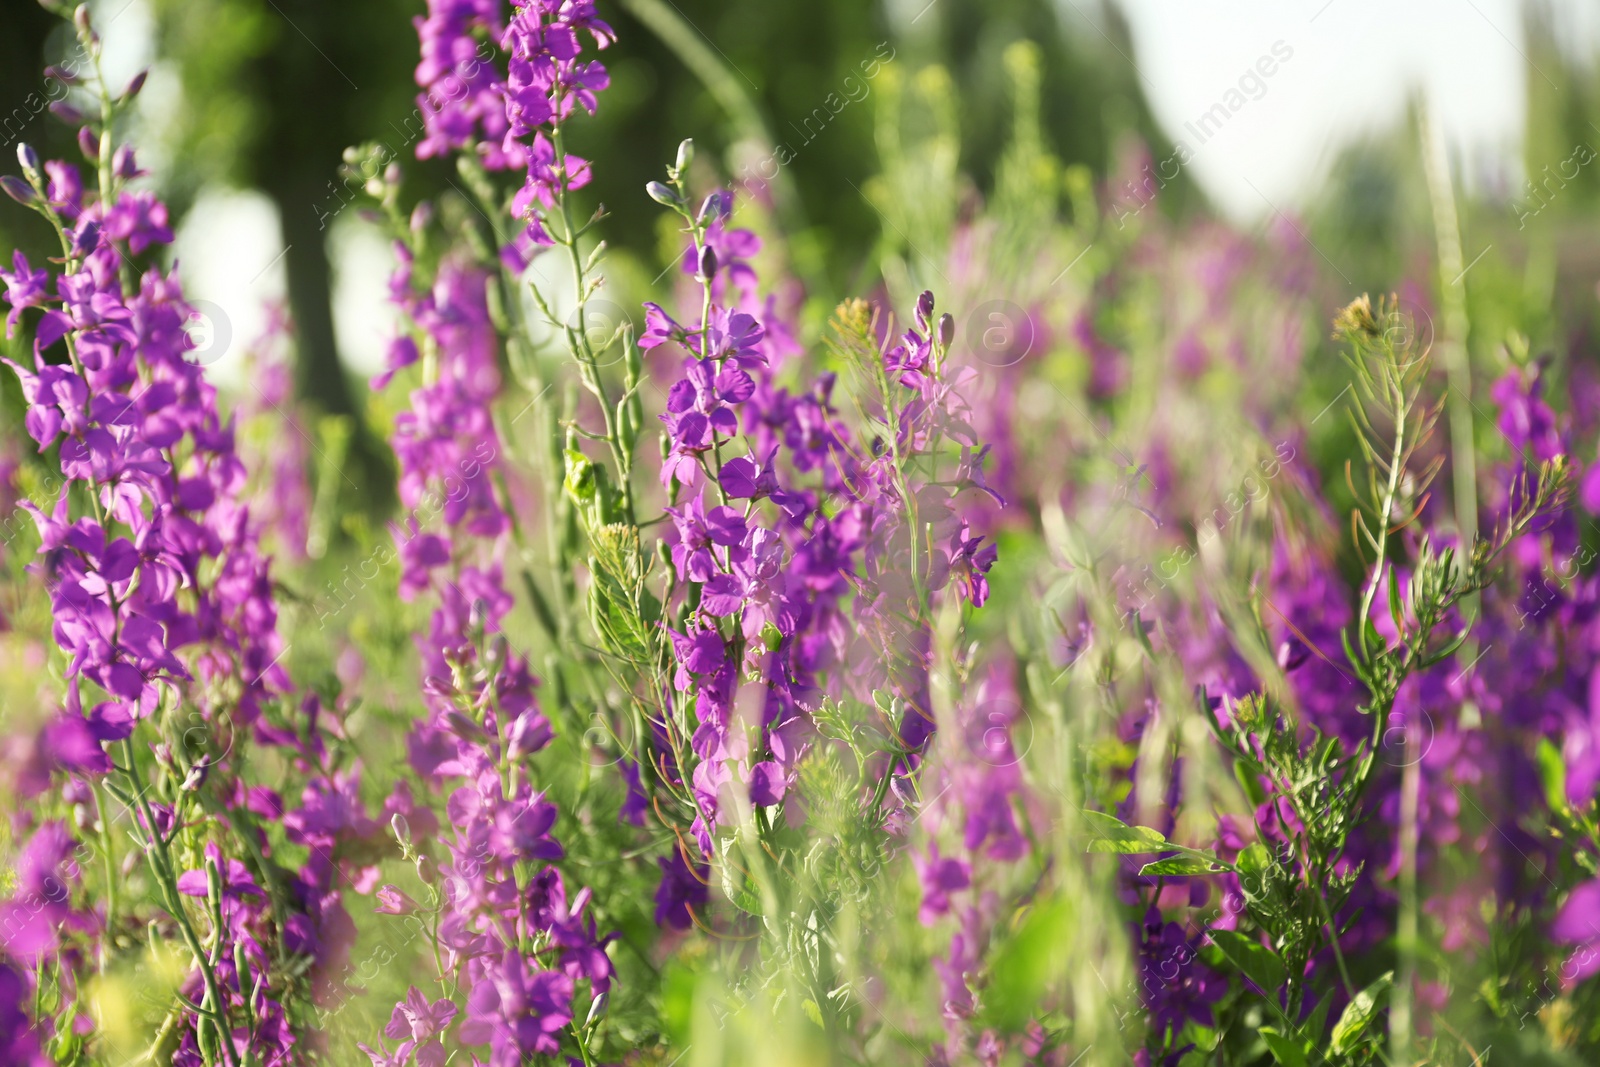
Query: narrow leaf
[[1113, 835], [1359, 1013], [1179, 866], [1254, 960], [1286, 1050]]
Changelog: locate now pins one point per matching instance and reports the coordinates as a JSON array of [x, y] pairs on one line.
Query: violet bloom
[[517, 1013], [1578, 924], [680, 891], [420, 1024], [19, 1041]]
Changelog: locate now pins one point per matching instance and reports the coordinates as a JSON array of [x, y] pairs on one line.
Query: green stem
[[160, 858]]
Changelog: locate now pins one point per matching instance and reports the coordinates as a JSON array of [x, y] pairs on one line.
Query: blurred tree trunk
[[319, 376]]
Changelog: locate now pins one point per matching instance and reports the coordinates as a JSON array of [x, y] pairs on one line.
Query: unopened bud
[[947, 329], [80, 18], [135, 85], [123, 164], [597, 1010], [29, 160], [708, 264], [685, 154], [88, 144], [663, 195], [401, 829], [924, 308]]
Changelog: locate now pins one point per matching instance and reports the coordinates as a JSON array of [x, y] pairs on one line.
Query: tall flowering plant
[[164, 610], [803, 552]]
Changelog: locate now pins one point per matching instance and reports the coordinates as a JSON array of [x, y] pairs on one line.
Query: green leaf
[[1288, 1051], [1396, 610], [740, 889], [1253, 865], [1254, 960], [1359, 1013], [1178, 866], [1317, 1024], [1553, 773], [1113, 835], [1249, 783], [1027, 963], [1450, 648]]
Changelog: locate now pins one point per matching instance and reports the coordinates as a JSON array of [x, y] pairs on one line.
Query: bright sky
[[1353, 65]]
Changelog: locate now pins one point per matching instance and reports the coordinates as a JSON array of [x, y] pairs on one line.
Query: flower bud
[[421, 215], [17, 189], [663, 195], [61, 74], [498, 652], [427, 870], [29, 160], [70, 115], [947, 329], [135, 85], [597, 1010], [707, 268], [924, 308], [685, 155], [392, 900], [401, 829], [123, 164], [88, 144], [196, 776], [80, 18], [478, 614]]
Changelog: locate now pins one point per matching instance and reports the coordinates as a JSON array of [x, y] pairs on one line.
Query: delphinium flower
[[728, 560], [462, 102], [546, 79], [163, 603], [916, 541], [980, 804], [512, 940], [19, 1041]]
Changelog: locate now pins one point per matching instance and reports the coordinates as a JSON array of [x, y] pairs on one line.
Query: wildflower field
[[1003, 614]]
